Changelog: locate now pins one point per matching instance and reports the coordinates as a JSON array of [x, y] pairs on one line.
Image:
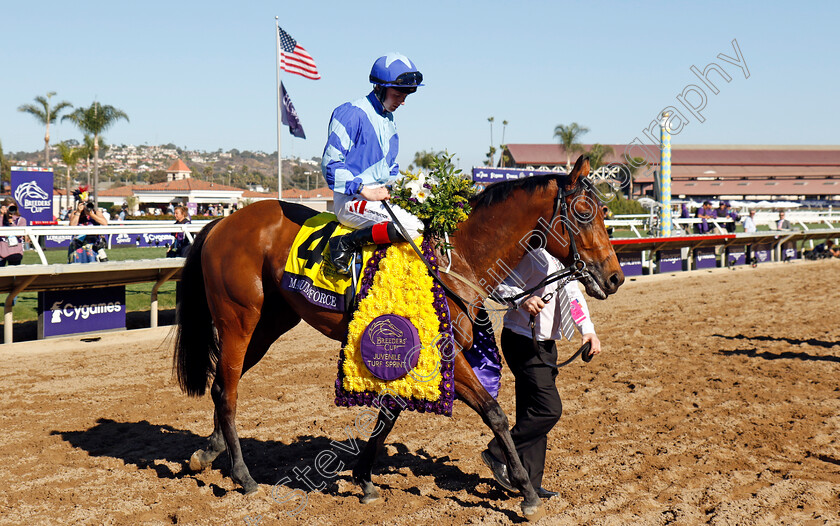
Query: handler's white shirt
[[566, 308]]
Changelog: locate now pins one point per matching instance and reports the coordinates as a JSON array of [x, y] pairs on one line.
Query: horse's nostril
[[615, 280]]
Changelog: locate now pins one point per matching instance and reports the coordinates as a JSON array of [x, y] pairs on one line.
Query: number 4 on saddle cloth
[[399, 339]]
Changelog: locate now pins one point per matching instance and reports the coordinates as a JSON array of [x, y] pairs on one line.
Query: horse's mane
[[498, 192]]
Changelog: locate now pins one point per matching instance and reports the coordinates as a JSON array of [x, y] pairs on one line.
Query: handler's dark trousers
[[538, 405]]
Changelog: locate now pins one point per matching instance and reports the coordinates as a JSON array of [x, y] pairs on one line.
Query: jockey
[[360, 160]]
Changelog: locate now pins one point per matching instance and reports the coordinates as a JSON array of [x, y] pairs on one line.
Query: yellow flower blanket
[[395, 281]]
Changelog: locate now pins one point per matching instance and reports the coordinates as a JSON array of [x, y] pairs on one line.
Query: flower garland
[[440, 200], [400, 284]]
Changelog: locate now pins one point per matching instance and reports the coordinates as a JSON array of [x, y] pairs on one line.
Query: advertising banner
[[631, 263], [485, 174], [761, 253], [736, 255], [670, 261], [77, 311], [32, 188], [142, 240], [705, 258], [56, 241]]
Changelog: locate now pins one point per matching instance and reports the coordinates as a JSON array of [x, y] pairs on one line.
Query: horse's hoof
[[195, 461], [371, 494], [252, 488], [257, 492], [533, 513]]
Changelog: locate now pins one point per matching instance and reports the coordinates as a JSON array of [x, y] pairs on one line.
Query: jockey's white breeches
[[357, 212]]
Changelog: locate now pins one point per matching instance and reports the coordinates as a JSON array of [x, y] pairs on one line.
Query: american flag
[[295, 59]]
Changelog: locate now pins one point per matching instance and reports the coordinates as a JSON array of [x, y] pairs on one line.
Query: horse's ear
[[581, 169]]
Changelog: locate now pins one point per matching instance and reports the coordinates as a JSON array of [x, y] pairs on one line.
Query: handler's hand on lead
[[593, 339], [533, 305], [375, 194]]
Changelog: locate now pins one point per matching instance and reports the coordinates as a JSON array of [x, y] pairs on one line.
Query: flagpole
[[279, 110]]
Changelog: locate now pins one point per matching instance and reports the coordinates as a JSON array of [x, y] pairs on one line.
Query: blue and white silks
[[362, 146]]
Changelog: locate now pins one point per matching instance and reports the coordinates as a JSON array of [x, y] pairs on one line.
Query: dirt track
[[716, 400]]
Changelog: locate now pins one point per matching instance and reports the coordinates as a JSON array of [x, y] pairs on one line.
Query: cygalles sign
[[77, 311]]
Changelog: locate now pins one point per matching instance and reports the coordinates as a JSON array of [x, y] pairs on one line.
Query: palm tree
[[424, 159], [597, 154], [5, 166], [95, 120], [69, 156], [568, 137], [492, 149], [45, 114]]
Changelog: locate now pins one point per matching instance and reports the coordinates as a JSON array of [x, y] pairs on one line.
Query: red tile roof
[[724, 155], [778, 187], [185, 185], [178, 166], [121, 191]]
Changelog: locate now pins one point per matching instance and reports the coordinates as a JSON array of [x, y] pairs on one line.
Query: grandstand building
[[804, 173]]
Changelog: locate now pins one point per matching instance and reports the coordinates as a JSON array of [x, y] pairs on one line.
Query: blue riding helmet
[[395, 70]]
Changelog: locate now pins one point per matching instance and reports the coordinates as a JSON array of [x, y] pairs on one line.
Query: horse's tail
[[196, 346]]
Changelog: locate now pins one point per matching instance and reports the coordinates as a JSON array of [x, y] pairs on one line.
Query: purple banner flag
[[33, 191], [485, 174], [289, 115]]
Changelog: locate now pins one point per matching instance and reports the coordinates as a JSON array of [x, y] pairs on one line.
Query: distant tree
[[597, 154], [207, 173], [568, 137], [423, 159], [5, 166], [94, 120], [504, 156], [46, 115], [490, 155], [70, 157], [156, 176], [492, 148]]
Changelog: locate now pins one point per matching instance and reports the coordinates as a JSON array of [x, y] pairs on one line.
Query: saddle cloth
[[393, 281], [307, 272]]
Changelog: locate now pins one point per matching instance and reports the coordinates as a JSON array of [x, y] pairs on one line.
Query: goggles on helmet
[[408, 79]]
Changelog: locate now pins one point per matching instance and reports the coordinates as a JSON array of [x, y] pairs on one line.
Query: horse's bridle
[[576, 271]]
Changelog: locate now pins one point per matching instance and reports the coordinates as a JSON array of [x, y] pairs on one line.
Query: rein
[[576, 270]]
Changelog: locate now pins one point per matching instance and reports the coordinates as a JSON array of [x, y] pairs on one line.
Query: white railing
[[148, 227]]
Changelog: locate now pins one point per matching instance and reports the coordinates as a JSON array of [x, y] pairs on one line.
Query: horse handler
[[538, 404], [360, 160]]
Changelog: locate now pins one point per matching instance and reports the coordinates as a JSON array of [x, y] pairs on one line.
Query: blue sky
[[202, 74]]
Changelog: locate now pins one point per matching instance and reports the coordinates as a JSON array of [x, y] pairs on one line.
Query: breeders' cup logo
[[72, 312], [385, 333], [32, 197]]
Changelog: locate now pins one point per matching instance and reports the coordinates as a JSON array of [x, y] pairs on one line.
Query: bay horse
[[232, 307]]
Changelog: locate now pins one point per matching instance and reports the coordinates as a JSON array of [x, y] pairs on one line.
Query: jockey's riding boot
[[343, 247]]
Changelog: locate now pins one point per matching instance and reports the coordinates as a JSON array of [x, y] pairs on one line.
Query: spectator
[[723, 212], [181, 247], [123, 212], [704, 213], [749, 223], [833, 249], [86, 248], [782, 223], [104, 213], [11, 247]]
